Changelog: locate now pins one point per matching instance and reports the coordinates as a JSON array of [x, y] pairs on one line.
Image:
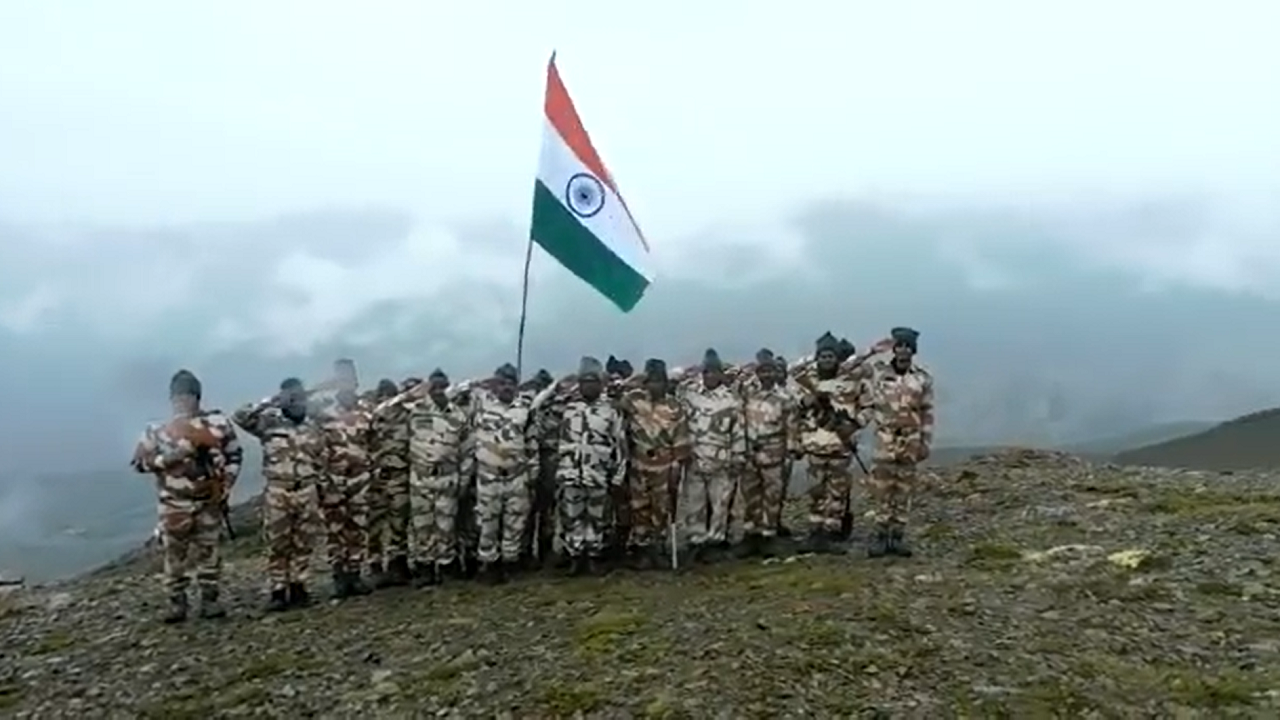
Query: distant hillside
[[1249, 441], [1158, 433]]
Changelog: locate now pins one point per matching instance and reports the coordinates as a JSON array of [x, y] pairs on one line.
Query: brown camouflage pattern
[[717, 457], [294, 458], [190, 496], [902, 408]]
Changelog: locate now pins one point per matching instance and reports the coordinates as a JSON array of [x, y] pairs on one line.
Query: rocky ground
[[1043, 586]]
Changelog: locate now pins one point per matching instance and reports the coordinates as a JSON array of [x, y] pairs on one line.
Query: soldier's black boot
[[178, 608], [491, 573], [897, 544], [752, 546], [356, 585], [210, 608], [769, 547], [818, 541], [425, 575], [341, 584], [297, 596], [398, 574], [470, 566], [878, 545], [379, 575], [578, 566], [783, 531], [279, 601]]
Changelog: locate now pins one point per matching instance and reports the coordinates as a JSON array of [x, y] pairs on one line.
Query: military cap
[[437, 374], [845, 349], [711, 360], [655, 368], [387, 387], [184, 382], [508, 371], [764, 356], [543, 377], [827, 342], [623, 368], [905, 336], [611, 365], [590, 366]]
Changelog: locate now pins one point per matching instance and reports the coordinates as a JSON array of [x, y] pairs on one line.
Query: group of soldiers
[[418, 482]]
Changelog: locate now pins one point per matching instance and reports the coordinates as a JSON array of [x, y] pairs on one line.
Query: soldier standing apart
[[294, 456], [195, 458], [505, 451], [718, 452], [348, 434], [830, 391], [902, 407], [658, 431], [592, 468], [770, 430], [439, 457], [388, 496]]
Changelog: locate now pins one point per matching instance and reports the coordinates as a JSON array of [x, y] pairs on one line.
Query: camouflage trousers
[[343, 505], [705, 500], [584, 518], [540, 531], [388, 504], [830, 482], [288, 532], [189, 537], [502, 510], [788, 466], [890, 487], [433, 504], [760, 493], [650, 502]]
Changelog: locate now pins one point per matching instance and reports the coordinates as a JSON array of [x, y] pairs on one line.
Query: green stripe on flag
[[562, 235]]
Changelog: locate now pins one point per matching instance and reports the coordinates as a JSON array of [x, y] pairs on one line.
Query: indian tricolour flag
[[579, 217]]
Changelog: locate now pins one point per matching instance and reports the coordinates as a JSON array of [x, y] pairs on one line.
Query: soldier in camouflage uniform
[[901, 405], [829, 410], [195, 458], [592, 467], [659, 446], [505, 447], [348, 435], [718, 452], [388, 547], [439, 457], [294, 457], [770, 431]]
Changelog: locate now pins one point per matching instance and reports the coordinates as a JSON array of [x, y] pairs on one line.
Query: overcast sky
[[124, 120]]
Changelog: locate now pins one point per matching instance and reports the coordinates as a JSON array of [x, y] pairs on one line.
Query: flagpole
[[524, 309]]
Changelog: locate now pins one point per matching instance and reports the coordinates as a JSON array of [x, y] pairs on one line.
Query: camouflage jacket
[[349, 439], [293, 454], [901, 405], [657, 430], [715, 423], [502, 435], [390, 422], [592, 443], [184, 476], [770, 423], [438, 437], [848, 390]]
